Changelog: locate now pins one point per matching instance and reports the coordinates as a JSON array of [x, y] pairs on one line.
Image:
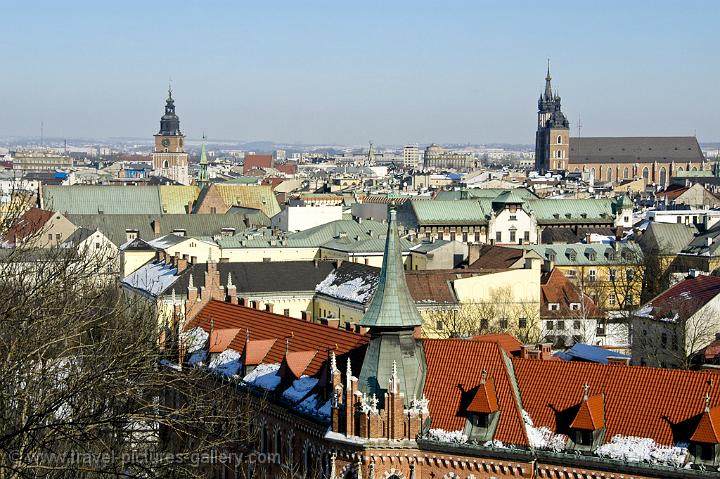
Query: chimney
[[618, 233], [693, 273], [473, 253], [155, 226], [181, 264], [305, 316], [618, 361], [524, 351], [190, 207], [231, 290], [331, 322]]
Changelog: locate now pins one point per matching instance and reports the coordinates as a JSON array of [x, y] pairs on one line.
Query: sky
[[341, 72]]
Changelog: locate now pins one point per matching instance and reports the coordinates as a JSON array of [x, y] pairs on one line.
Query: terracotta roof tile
[[708, 428], [497, 257], [591, 415], [485, 399], [297, 362], [509, 343], [686, 297], [639, 401], [257, 350], [220, 339], [30, 223], [455, 371], [257, 161], [556, 288], [306, 336]]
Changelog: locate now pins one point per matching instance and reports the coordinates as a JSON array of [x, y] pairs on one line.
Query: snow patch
[[642, 449], [358, 290], [153, 278], [226, 363], [300, 388], [447, 436], [542, 437], [264, 376], [195, 339]]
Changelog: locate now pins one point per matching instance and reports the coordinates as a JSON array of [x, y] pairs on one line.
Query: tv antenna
[[579, 126]]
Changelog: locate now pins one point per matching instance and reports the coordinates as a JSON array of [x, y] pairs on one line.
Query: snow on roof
[[226, 363], [153, 278], [542, 437], [358, 289], [300, 388], [264, 376], [194, 339], [642, 449]]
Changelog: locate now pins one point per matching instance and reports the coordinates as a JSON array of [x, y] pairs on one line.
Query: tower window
[[559, 140], [165, 163]]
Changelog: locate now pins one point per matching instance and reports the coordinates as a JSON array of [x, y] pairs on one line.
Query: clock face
[[166, 142]]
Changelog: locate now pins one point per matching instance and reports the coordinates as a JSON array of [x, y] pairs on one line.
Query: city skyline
[[317, 74]]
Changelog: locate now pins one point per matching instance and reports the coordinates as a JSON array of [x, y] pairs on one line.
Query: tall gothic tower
[[552, 140], [169, 157]]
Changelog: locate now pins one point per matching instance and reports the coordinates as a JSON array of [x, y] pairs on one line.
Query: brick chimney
[[231, 290], [181, 264]]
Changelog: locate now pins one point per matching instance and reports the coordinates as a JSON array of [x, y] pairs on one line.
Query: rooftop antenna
[[42, 133], [579, 125]]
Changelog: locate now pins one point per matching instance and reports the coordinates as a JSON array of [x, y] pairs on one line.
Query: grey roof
[[115, 227], [667, 238], [578, 254], [265, 277], [706, 244], [392, 305], [562, 235], [643, 149]]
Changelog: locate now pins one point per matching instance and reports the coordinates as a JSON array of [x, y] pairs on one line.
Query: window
[[592, 275], [554, 306], [561, 324], [526, 236], [612, 273], [440, 235], [574, 306], [612, 300], [50, 237], [512, 236], [663, 339], [706, 452], [576, 324], [630, 274], [58, 236], [452, 236], [513, 217], [484, 324], [481, 420], [464, 237], [559, 140], [213, 210], [549, 325], [498, 236], [503, 323], [286, 312], [584, 437], [626, 173], [477, 237], [522, 323], [439, 325], [97, 245]]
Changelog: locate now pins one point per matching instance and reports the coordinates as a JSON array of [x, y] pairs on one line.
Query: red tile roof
[[257, 350], [298, 361], [433, 285], [708, 428], [302, 335], [485, 400], [672, 192], [497, 257], [556, 288], [639, 401], [686, 297], [220, 339], [30, 223], [509, 343], [257, 161], [591, 415], [287, 168], [454, 372]]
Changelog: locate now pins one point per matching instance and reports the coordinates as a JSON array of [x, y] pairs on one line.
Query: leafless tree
[[501, 313], [86, 390]]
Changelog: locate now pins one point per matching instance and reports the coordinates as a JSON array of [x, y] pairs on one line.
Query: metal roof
[[642, 149]]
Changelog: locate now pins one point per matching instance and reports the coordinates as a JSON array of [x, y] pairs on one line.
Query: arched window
[[592, 171], [165, 164], [559, 140], [646, 174], [278, 444], [663, 176], [626, 172], [694, 168], [609, 174], [680, 169]]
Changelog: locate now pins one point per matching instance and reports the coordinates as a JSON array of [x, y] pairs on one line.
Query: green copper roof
[[508, 197], [392, 306]]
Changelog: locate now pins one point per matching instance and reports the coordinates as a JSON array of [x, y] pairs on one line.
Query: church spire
[[548, 85], [392, 306], [203, 170]]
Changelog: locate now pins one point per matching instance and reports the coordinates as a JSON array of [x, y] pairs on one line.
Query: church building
[[169, 157], [609, 159]]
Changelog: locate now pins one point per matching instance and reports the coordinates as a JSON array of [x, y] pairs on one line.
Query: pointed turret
[[203, 170], [392, 305], [548, 86], [392, 319]]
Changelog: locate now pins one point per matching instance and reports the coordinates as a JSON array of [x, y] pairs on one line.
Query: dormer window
[[483, 413], [554, 306], [575, 306], [179, 232]]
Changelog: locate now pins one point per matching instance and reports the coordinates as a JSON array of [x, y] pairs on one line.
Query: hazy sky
[[346, 72]]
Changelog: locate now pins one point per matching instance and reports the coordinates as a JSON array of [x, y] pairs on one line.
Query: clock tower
[[169, 157]]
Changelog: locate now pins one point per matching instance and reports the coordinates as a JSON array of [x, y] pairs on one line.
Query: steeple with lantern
[[169, 157]]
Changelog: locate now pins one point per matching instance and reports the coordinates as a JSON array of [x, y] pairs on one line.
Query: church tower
[[552, 140], [395, 352], [169, 157]]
